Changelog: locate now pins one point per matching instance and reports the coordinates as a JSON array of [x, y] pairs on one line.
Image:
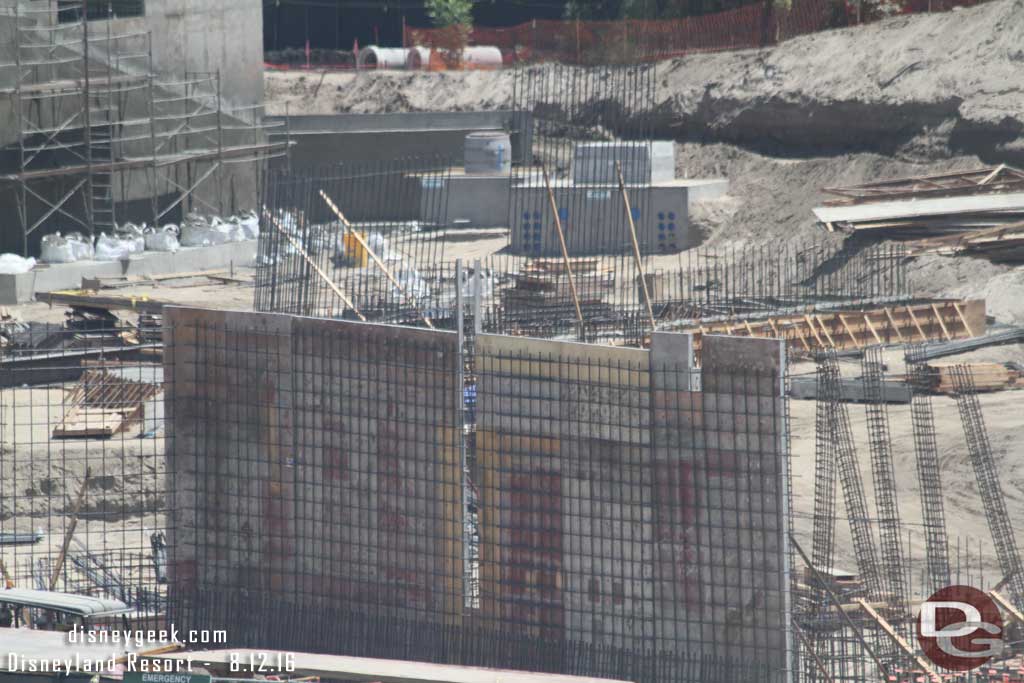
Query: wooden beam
[[846, 326], [900, 642], [75, 510], [565, 251], [892, 322], [810, 324], [913, 317], [810, 648], [312, 264], [963, 319], [942, 324], [871, 328], [991, 176], [636, 245], [1007, 605], [376, 259], [824, 328]]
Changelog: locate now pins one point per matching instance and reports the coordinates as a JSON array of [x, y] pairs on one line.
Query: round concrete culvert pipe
[[488, 153], [481, 57], [373, 57], [419, 58]]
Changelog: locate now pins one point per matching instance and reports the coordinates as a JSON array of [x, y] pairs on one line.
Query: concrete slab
[[16, 289]]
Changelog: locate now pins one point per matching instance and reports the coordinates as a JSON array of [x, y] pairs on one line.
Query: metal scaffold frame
[[90, 112]]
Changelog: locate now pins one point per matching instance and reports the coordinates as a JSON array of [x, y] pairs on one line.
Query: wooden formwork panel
[[317, 460], [897, 324]]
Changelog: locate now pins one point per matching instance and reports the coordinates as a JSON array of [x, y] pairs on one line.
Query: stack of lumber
[[102, 404], [927, 206], [987, 377], [1000, 245], [544, 282]]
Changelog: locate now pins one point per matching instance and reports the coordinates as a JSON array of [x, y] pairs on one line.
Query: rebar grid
[[852, 485], [928, 474], [823, 539], [989, 489], [626, 519], [883, 475], [82, 468], [379, 253]]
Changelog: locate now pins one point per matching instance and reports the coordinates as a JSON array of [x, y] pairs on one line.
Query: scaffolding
[[95, 127]]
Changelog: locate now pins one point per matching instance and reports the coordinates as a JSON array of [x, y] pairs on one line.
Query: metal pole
[[636, 245], [565, 251], [87, 119], [220, 150]]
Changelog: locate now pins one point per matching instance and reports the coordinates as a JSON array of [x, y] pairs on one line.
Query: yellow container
[[355, 254]]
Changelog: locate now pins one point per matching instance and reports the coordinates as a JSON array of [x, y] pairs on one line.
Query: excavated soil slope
[[909, 95]]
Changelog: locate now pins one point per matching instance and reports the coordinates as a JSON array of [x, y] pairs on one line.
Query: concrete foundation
[[322, 140], [16, 289]]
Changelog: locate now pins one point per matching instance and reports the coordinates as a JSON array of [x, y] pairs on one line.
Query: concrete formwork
[[316, 461], [624, 506]]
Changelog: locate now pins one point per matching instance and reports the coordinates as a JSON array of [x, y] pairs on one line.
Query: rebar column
[[883, 475], [980, 451], [929, 480]]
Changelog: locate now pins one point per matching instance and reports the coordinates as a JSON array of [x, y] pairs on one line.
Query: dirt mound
[[922, 87]]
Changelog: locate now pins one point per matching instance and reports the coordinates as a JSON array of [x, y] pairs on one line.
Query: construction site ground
[[905, 96], [909, 95]]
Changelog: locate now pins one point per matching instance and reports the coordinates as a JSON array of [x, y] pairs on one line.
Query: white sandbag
[[12, 264], [379, 246], [250, 226], [164, 239], [113, 248], [81, 246], [56, 249]]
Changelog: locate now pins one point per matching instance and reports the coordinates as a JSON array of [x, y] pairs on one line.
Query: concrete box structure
[[339, 138], [593, 218], [16, 289], [642, 162]]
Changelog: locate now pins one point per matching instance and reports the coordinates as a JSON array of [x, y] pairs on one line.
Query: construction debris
[[925, 206], [812, 332], [1004, 244], [851, 389], [987, 377], [103, 404], [1014, 335]]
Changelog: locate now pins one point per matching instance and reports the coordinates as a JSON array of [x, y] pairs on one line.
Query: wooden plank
[[892, 322], [565, 254], [1007, 605], [376, 259], [312, 264], [810, 324], [898, 639], [824, 328], [846, 325], [636, 245], [75, 510], [942, 324], [874, 333], [963, 319], [913, 317]]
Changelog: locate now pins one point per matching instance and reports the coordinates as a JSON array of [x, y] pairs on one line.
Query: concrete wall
[[321, 139], [317, 462], [187, 36], [594, 220], [203, 36], [622, 506]]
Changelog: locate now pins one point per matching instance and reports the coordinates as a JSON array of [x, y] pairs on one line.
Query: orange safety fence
[[608, 42]]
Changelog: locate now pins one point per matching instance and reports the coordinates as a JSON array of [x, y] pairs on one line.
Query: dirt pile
[[923, 87]]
